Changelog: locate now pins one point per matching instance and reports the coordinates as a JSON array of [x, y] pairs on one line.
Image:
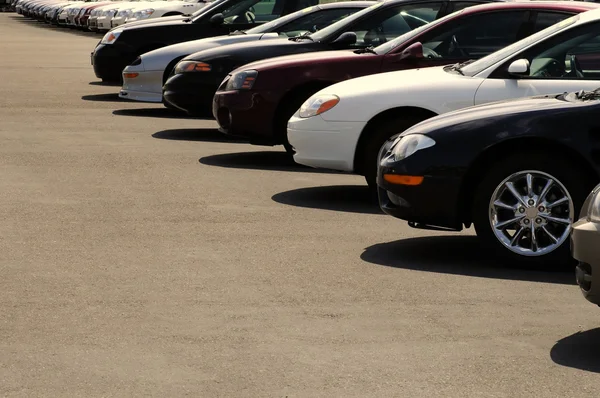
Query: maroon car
[[275, 88]]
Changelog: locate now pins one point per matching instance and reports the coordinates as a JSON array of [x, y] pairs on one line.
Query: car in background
[[585, 241], [518, 170], [260, 113], [166, 9], [123, 45], [343, 126], [144, 79], [192, 90]]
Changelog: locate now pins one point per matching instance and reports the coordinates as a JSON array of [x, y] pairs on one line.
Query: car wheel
[[525, 206], [378, 135]]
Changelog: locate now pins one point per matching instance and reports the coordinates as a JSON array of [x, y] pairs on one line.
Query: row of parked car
[[102, 15], [457, 113]]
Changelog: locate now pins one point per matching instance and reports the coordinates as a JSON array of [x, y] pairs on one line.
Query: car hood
[[433, 89], [160, 58], [296, 59], [505, 108], [243, 49]]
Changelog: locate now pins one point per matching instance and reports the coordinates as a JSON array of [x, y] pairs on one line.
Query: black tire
[[377, 136], [568, 174], [292, 104]]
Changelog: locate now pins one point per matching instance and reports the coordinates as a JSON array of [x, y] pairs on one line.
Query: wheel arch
[[476, 170], [314, 85], [383, 117], [170, 66]]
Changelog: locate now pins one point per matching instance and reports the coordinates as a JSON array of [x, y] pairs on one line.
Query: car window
[[475, 36], [548, 18], [392, 22], [459, 5], [316, 21], [252, 11], [572, 55]]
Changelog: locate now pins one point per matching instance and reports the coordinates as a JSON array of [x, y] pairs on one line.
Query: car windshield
[[209, 7], [390, 45], [269, 26], [323, 33], [474, 68]]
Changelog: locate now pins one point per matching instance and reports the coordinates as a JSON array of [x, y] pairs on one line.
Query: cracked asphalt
[[144, 254]]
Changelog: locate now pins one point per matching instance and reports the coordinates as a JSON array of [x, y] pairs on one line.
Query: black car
[[192, 91], [518, 170], [122, 45]]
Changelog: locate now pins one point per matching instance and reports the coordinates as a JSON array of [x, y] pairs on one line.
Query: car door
[[566, 62], [315, 21]]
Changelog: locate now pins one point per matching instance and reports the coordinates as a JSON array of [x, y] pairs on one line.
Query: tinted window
[[316, 21], [388, 24], [476, 36], [459, 5], [250, 11], [545, 19]]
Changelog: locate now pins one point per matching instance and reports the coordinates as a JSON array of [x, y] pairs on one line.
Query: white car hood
[[160, 58], [432, 88]]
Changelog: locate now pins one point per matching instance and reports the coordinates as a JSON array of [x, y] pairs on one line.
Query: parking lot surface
[[145, 254]]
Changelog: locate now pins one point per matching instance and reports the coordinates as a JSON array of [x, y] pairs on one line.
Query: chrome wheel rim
[[531, 213]]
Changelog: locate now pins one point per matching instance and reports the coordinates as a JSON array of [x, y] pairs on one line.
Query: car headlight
[[594, 210], [143, 14], [410, 144], [124, 13], [111, 37], [318, 104], [242, 80], [192, 66]]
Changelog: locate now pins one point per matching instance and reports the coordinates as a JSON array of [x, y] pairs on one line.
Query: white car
[[166, 9], [144, 79], [343, 126]]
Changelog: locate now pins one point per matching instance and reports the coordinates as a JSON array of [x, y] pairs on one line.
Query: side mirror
[[216, 19], [346, 38], [414, 51], [519, 67]]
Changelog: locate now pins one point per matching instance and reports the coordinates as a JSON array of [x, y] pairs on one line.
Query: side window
[[251, 11], [316, 20], [572, 55], [545, 19], [459, 5], [475, 37], [393, 22]]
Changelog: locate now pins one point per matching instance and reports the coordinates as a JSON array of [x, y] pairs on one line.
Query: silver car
[[144, 78], [585, 244]]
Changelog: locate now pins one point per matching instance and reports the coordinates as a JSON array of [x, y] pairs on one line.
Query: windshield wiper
[[369, 49], [458, 66], [298, 38], [583, 95], [237, 32]]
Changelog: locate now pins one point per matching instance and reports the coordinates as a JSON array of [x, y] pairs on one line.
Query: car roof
[[340, 4], [575, 6]]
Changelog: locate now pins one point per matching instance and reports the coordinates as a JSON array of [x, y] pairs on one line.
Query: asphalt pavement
[[145, 254]]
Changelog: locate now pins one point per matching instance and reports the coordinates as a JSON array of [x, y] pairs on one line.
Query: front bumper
[[585, 239], [103, 23], [246, 114], [146, 87], [323, 144], [192, 92], [432, 204], [109, 60]]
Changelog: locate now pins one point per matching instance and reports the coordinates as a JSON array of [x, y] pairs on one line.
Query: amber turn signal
[[130, 75], [403, 180]]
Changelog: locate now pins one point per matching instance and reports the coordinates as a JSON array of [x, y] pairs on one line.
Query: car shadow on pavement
[[206, 135], [107, 84], [263, 160], [164, 113], [458, 255], [109, 97], [580, 351], [346, 198]]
